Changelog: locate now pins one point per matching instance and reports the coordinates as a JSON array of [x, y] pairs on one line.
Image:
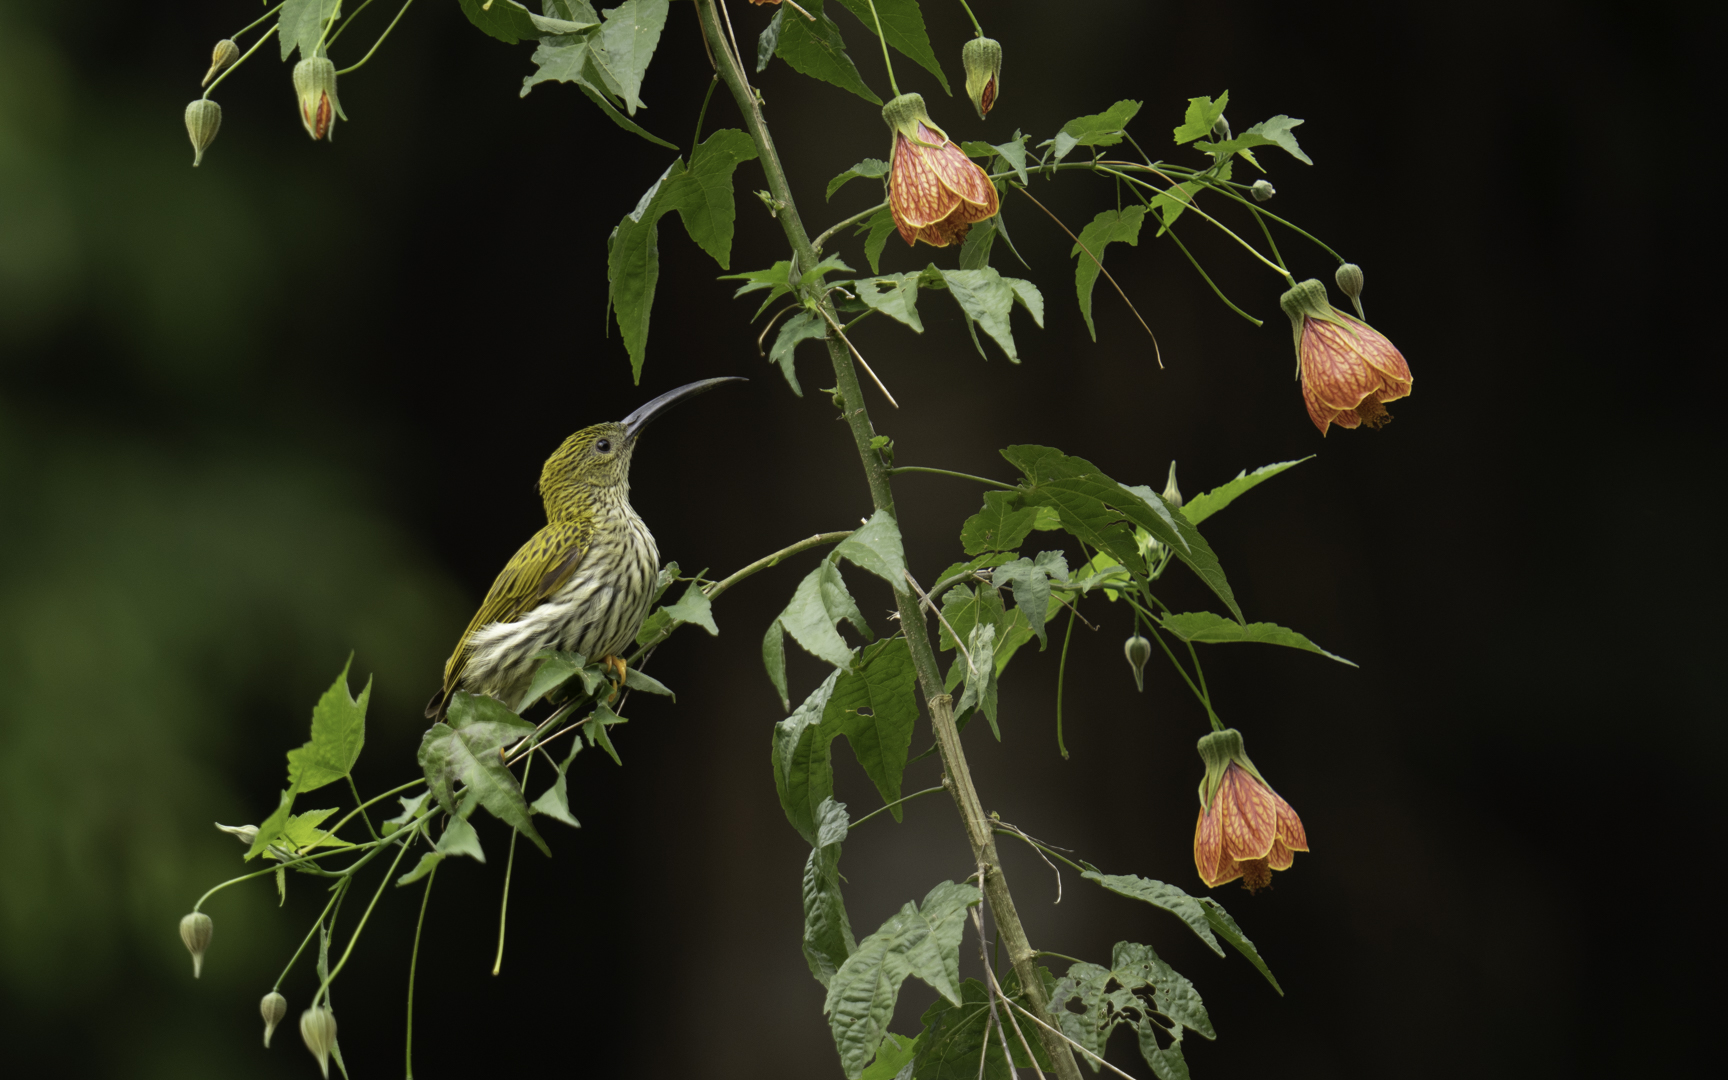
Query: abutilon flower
[[935, 191], [1348, 369], [315, 84], [1245, 829], [982, 59]]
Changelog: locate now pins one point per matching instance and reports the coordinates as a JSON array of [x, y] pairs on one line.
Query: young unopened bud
[[272, 1008], [318, 1031], [195, 931], [1172, 493], [1221, 130], [1350, 284], [225, 53], [243, 833], [203, 119], [1138, 650], [982, 59], [1262, 190], [315, 84]]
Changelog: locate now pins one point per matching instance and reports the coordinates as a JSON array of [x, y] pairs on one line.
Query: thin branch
[[984, 958], [924, 598], [996, 986], [1072, 1043], [823, 311], [896, 470], [822, 238], [1157, 352], [892, 805]]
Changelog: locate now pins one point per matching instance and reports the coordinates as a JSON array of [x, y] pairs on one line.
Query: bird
[[583, 583]]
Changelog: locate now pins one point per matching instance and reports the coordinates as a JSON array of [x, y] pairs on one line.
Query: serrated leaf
[[1014, 154], [803, 772], [465, 749], [1109, 227], [879, 227], [554, 802], [460, 839], [1207, 503], [802, 327], [869, 168], [599, 732], [1002, 525], [1166, 897], [695, 608], [875, 547], [1203, 112], [769, 40], [631, 34], [1098, 129], [272, 826], [302, 832], [920, 940], [819, 603], [557, 668], [412, 810], [895, 296], [1119, 995], [702, 192], [510, 22], [876, 708], [637, 680], [892, 1057], [828, 939], [1030, 579], [633, 271], [774, 659], [979, 674], [1102, 513], [903, 30], [815, 49], [338, 736], [428, 862], [1225, 927], [975, 249], [300, 24], [581, 60], [1278, 131], [1204, 626], [986, 298]]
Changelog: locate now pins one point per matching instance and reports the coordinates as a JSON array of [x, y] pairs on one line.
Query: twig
[[978, 921], [822, 237], [924, 599], [867, 368], [1036, 846], [1071, 1042], [984, 958], [1155, 350]]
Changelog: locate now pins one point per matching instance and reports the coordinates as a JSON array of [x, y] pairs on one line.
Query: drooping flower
[[315, 85], [203, 120], [195, 932], [982, 59], [1245, 829], [935, 191], [1349, 371]]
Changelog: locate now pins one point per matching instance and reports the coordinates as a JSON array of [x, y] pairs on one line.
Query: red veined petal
[[1290, 830], [1209, 860], [916, 195], [1250, 817]]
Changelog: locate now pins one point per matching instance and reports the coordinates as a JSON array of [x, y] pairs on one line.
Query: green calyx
[[982, 59], [1307, 300], [903, 115], [1219, 750]]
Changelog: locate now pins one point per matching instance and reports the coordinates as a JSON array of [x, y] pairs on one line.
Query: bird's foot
[[615, 663]]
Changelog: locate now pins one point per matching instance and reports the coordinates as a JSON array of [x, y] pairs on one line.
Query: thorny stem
[[912, 619], [381, 37]]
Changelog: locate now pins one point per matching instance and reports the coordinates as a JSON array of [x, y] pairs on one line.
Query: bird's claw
[[615, 663]]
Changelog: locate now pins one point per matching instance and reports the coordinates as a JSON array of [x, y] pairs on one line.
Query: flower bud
[[225, 53], [1220, 130], [195, 931], [315, 83], [1262, 191], [1138, 650], [246, 834], [982, 59], [1350, 284], [272, 1008], [203, 118], [1172, 493], [318, 1031]]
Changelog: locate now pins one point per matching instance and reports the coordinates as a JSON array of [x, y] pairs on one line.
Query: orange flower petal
[[916, 194], [1209, 860], [1334, 368], [1250, 817], [1280, 857], [1290, 830]]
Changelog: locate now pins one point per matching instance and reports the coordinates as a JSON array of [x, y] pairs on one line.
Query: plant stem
[[912, 620], [381, 38], [262, 38], [1061, 673], [413, 963], [359, 804], [1207, 278], [822, 238], [948, 472], [892, 805], [889, 64], [256, 21], [973, 17]]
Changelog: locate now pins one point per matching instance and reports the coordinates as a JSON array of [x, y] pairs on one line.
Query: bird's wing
[[538, 570]]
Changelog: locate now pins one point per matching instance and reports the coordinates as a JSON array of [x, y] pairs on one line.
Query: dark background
[[294, 403]]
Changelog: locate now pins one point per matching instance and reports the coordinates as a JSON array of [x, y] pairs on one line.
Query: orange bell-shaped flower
[[1245, 829], [935, 191], [1348, 369]]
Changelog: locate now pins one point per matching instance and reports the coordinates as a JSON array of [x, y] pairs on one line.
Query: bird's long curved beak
[[641, 418]]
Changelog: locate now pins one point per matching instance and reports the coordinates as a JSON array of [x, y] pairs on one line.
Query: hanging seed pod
[[1138, 650], [272, 1008], [195, 931], [225, 53], [982, 59], [318, 1031], [315, 86], [1350, 284], [203, 120]]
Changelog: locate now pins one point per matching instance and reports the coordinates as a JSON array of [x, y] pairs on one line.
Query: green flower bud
[[225, 53], [1172, 493], [318, 1031], [982, 59], [1138, 650], [195, 931], [1262, 191], [272, 1008], [243, 833], [203, 118], [1220, 130], [315, 84], [1350, 284]]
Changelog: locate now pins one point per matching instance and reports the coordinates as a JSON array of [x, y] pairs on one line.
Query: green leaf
[[1166, 897], [803, 772], [466, 749], [510, 22], [338, 735], [301, 24], [1278, 131], [555, 802], [274, 824], [895, 1053], [774, 659], [979, 673], [986, 297], [1109, 227], [769, 40], [460, 839], [895, 296], [876, 547], [1001, 526], [1204, 505], [598, 730], [1225, 927], [702, 193], [878, 227], [1204, 626], [631, 34], [903, 29], [1136, 989], [633, 270], [1030, 579], [1203, 112], [581, 59], [425, 866], [1014, 153], [1099, 129], [819, 603], [637, 680], [412, 810], [694, 607], [302, 832], [958, 1038], [975, 249], [919, 940], [802, 327], [556, 669], [869, 168], [1103, 513], [815, 49], [876, 708], [828, 939]]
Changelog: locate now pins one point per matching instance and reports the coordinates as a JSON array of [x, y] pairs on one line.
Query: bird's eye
[[604, 446]]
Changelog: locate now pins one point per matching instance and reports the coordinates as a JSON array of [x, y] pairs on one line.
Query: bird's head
[[596, 460]]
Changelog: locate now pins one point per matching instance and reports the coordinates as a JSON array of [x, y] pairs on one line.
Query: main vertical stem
[[958, 778]]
